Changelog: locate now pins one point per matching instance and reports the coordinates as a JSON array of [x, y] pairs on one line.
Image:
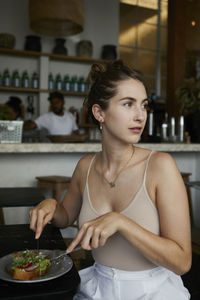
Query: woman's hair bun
[[96, 71]]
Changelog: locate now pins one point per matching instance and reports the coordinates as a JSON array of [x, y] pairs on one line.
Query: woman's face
[[126, 115]]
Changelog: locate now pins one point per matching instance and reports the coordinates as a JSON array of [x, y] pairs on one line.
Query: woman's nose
[[139, 114]]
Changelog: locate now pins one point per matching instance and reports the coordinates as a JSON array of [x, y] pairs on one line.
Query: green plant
[[4, 113], [188, 96]]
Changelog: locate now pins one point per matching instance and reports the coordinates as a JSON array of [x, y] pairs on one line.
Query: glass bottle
[[87, 84], [58, 82], [72, 84], [75, 84], [164, 129], [66, 83], [6, 78], [81, 84], [25, 80], [15, 79], [35, 81], [50, 82]]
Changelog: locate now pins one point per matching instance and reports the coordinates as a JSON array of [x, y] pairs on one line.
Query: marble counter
[[88, 147]]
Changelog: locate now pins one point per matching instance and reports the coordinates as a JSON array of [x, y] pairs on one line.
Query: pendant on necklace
[[112, 184]]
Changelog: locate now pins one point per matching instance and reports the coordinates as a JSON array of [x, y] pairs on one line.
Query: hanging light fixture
[[56, 17]]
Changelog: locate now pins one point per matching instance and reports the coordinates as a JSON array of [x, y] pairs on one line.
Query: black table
[[20, 237], [22, 196]]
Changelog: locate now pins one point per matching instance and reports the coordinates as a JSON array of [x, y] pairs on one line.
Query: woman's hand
[[95, 233], [41, 215]]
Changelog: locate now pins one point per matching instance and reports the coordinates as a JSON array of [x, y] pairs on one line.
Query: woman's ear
[[98, 113]]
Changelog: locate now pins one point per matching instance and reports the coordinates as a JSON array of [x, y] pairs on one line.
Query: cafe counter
[[89, 147]]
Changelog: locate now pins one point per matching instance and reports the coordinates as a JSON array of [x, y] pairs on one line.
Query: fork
[[64, 254]]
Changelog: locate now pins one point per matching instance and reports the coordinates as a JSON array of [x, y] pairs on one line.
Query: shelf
[[36, 91], [23, 53], [34, 54], [21, 90], [83, 60]]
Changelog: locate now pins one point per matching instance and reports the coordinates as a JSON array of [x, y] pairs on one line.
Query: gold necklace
[[112, 183]]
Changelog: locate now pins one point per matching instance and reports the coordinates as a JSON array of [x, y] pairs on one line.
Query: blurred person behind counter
[[15, 109], [57, 121]]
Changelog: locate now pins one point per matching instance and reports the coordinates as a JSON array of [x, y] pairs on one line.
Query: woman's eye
[[145, 106], [127, 104]]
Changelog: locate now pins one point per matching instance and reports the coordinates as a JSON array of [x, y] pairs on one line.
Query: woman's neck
[[115, 154]]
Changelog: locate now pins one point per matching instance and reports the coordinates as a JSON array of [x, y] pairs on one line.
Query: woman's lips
[[136, 130]]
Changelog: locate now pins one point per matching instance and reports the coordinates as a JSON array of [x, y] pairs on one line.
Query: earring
[[100, 126]]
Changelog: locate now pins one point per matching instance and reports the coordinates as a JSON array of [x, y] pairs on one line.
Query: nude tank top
[[118, 252]]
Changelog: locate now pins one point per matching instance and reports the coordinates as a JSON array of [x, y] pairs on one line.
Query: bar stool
[[55, 183]]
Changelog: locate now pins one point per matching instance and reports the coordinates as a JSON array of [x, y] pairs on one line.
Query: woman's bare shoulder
[[84, 162], [162, 160], [162, 165]]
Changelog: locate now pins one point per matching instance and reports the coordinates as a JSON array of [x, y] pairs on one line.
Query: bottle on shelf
[[58, 82], [72, 84], [35, 81], [25, 80], [50, 82], [87, 84], [15, 79], [81, 84], [75, 84], [66, 84], [6, 78]]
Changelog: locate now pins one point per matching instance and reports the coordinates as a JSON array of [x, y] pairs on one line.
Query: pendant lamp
[[56, 17]]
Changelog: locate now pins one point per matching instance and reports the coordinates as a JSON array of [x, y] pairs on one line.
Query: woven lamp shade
[[56, 17]]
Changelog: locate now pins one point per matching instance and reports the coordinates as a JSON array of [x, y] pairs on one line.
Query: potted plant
[[188, 95], [188, 98]]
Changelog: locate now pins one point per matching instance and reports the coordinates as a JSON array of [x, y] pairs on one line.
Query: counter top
[[88, 147]]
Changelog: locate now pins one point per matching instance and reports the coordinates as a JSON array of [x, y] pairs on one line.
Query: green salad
[[30, 260]]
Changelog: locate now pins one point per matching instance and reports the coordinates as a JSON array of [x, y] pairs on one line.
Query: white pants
[[103, 283]]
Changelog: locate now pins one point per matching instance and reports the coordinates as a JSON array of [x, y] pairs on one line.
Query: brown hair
[[103, 83]]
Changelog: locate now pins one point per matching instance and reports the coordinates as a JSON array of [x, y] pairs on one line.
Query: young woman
[[131, 202]]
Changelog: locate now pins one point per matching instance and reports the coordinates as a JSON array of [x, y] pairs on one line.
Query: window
[[143, 40]]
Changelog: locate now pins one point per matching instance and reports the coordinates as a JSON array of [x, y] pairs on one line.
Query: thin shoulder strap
[[146, 167], [88, 171]]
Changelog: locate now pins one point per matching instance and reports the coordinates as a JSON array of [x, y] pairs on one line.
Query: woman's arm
[[61, 214], [172, 249]]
